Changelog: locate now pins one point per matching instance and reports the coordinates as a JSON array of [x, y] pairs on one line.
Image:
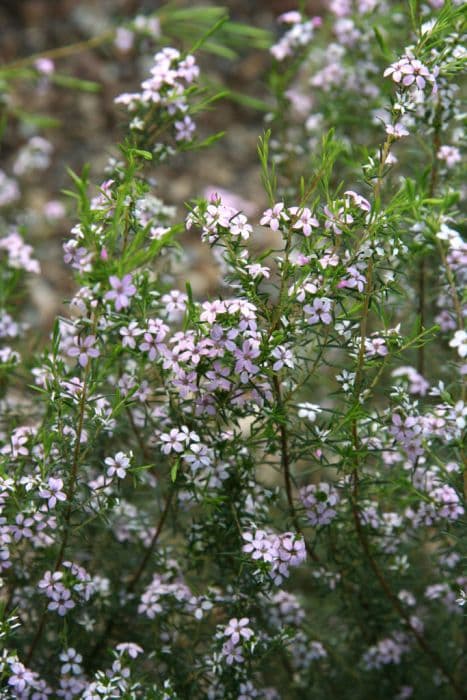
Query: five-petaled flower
[[274, 217], [53, 492], [460, 342], [83, 349], [237, 629], [118, 465], [121, 292]]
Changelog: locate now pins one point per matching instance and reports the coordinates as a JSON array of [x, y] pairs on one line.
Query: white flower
[[460, 342], [237, 629], [118, 465], [396, 130], [309, 411], [459, 413], [450, 235]]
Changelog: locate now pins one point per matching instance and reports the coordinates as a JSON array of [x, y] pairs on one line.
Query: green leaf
[[382, 43], [212, 30], [219, 49], [268, 174], [68, 81], [56, 337], [174, 471], [42, 121], [205, 143], [204, 104], [147, 155], [248, 101]]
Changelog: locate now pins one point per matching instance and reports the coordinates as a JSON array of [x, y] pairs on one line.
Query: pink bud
[[44, 66], [292, 17], [104, 254]]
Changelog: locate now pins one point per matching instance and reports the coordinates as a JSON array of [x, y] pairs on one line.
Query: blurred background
[[83, 125]]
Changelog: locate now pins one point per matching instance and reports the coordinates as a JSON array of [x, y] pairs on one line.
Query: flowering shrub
[[260, 494]]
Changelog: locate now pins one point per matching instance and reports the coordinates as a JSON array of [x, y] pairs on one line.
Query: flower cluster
[[217, 495], [280, 551], [164, 93], [320, 501]]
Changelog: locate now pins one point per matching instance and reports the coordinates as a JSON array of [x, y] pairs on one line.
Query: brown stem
[[62, 51], [421, 314], [359, 529], [358, 525], [363, 326], [379, 575], [436, 143], [73, 476], [37, 637], [141, 444], [69, 494], [136, 576], [286, 464]]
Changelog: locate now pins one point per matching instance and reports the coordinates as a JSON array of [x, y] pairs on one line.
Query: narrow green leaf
[[68, 81]]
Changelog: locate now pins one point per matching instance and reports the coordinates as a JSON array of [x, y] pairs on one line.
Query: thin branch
[[436, 143], [139, 572], [379, 575], [62, 51], [131, 585], [67, 518], [286, 465]]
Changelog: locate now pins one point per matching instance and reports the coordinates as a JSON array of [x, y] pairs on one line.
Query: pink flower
[[71, 661], [124, 39], [409, 71], [153, 337], [304, 220], [450, 154], [83, 349], [236, 629], [61, 601], [354, 280], [319, 310], [244, 356], [291, 17], [129, 648], [335, 221], [20, 677], [376, 346], [173, 441], [44, 65], [256, 270], [396, 130], [258, 545], [239, 226], [320, 501], [129, 333], [274, 217], [232, 653], [211, 309], [184, 129], [122, 290], [118, 465], [358, 200], [54, 492], [188, 69], [283, 357]]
